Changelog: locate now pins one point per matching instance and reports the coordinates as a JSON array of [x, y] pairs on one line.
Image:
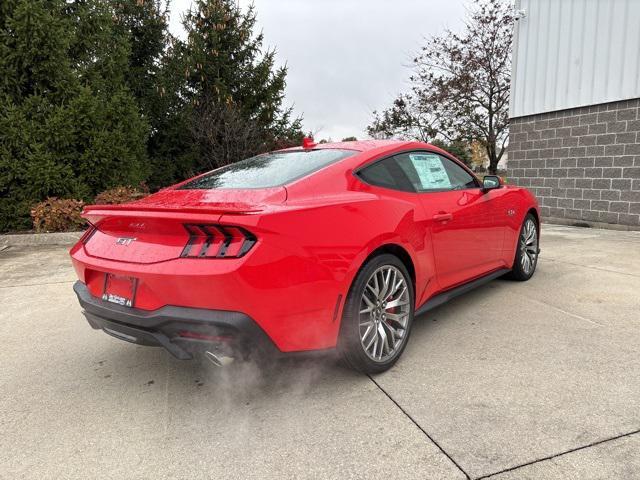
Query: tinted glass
[[460, 179], [268, 170], [429, 172], [386, 173]]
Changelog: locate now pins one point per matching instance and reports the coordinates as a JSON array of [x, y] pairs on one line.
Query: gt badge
[[125, 241]]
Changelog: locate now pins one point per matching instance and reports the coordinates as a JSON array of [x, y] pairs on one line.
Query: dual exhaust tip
[[218, 360]]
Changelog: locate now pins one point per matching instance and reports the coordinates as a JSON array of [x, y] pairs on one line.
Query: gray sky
[[346, 58]]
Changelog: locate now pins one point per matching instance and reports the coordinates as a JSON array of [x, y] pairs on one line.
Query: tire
[[525, 267], [377, 321]]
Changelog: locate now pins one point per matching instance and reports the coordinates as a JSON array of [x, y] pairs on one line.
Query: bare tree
[[460, 85], [224, 135]]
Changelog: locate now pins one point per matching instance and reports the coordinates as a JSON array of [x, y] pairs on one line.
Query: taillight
[[217, 241]]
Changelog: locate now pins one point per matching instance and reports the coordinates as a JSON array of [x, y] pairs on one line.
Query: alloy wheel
[[528, 246], [384, 313]]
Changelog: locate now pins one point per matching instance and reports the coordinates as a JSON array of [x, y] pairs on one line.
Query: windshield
[[268, 170]]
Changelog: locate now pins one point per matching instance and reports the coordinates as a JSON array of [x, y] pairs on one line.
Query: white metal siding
[[572, 53]]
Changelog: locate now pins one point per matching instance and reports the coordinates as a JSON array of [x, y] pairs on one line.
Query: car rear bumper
[[180, 330], [290, 298]]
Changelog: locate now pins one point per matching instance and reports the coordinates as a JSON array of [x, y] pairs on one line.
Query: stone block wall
[[583, 164]]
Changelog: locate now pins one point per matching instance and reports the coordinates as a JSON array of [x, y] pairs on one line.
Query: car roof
[[373, 148], [358, 145]]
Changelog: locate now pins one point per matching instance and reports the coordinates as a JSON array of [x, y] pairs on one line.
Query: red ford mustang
[[335, 246]]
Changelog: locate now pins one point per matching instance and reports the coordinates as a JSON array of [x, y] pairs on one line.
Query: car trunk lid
[[160, 227]]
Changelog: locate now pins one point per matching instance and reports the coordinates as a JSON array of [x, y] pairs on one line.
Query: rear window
[[268, 170]]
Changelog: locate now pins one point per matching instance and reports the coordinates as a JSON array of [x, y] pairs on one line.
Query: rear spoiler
[[209, 213]]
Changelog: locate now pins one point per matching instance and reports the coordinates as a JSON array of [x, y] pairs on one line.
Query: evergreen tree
[[145, 24], [97, 93], [171, 149], [69, 125], [233, 90], [155, 77]]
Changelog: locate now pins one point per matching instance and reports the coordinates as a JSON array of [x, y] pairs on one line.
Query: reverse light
[[217, 241]]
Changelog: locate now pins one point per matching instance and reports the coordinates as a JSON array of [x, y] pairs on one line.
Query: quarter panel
[[321, 245]]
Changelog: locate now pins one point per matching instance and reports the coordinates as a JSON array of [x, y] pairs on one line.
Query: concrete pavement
[[514, 380]]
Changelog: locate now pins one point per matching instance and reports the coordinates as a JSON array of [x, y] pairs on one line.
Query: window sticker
[[431, 171]]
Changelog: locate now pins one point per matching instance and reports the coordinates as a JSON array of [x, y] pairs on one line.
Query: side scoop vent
[[217, 241]]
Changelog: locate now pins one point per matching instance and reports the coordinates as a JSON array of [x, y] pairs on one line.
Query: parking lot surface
[[536, 380]]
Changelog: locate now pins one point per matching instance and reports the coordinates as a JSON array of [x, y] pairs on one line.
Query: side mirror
[[491, 182]]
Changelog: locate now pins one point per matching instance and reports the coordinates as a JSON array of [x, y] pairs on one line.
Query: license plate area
[[120, 289]]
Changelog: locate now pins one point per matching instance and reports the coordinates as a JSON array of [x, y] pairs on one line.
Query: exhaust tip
[[218, 360]]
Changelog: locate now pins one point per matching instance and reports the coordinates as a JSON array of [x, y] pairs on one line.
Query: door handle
[[443, 217]]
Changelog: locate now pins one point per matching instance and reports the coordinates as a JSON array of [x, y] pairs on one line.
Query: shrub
[[121, 195], [57, 215]]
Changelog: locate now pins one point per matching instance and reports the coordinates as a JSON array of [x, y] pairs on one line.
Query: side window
[[430, 172], [387, 173], [460, 179]]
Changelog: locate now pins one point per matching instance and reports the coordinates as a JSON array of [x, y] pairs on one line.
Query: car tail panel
[[136, 239], [177, 224]]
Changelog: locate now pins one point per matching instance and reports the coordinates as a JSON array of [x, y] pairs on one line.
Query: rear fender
[[332, 242]]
